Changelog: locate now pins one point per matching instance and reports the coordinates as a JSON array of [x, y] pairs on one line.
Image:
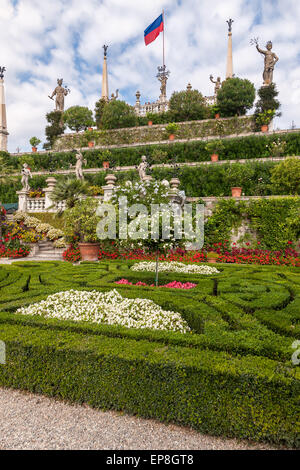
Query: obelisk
[[105, 95], [229, 71], [3, 122]]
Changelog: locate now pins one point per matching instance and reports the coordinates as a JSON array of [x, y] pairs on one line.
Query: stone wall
[[158, 133]]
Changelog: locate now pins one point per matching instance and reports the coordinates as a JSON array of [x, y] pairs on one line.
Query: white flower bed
[[108, 308], [174, 267]]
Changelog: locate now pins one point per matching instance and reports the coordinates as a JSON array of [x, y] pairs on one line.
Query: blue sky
[[43, 41]]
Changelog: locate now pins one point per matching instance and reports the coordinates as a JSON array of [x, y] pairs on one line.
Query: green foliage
[[81, 221], [34, 142], [188, 105], [286, 176], [55, 129], [99, 108], [265, 117], [214, 146], [237, 174], [235, 97], [78, 118], [267, 99], [70, 191], [172, 128], [231, 377], [118, 114]]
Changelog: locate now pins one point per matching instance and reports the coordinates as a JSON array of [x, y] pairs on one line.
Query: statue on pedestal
[[270, 61], [26, 174], [60, 92], [217, 83], [78, 166], [142, 168]]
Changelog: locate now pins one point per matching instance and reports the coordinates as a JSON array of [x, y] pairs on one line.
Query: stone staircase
[[44, 251]]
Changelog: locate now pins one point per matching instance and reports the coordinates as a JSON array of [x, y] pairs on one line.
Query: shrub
[[82, 221], [118, 114], [188, 105], [235, 97], [78, 118], [286, 176]]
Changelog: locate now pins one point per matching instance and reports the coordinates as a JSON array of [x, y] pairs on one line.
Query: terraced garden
[[231, 375]]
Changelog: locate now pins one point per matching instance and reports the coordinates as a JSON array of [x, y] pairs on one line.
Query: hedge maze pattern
[[243, 320]]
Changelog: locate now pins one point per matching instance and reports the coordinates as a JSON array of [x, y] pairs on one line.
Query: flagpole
[[163, 12]]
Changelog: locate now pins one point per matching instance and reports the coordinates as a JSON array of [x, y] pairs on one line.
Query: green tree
[[99, 108], [118, 114], [235, 97], [55, 129], [267, 99], [188, 105], [286, 176], [78, 118]]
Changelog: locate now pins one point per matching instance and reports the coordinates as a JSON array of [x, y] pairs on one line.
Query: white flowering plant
[[174, 267], [108, 308]]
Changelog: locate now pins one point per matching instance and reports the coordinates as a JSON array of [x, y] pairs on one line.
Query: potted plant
[[105, 157], [263, 119], [91, 136], [212, 257], [171, 129], [81, 221], [214, 147], [215, 111], [34, 142], [236, 175]]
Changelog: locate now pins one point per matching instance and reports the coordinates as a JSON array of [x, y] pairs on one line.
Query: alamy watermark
[[2, 352], [296, 355], [163, 222]]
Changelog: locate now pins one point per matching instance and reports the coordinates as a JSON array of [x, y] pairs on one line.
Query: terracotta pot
[[171, 137], [236, 192], [212, 260], [89, 251], [91, 144], [217, 116], [90, 128], [265, 128], [34, 149], [105, 164], [214, 157], [150, 123]]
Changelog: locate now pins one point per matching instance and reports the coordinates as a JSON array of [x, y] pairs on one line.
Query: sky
[[41, 41]]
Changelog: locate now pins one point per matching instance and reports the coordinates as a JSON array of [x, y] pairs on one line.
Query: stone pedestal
[[51, 182], [109, 187], [23, 196]]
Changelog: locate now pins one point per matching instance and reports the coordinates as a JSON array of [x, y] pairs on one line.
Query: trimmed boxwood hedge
[[232, 376]]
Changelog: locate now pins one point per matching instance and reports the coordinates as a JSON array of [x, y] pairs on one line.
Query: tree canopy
[[188, 105], [78, 118], [118, 114], [235, 97]]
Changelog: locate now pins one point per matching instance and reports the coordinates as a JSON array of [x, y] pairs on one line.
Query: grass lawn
[[231, 376]]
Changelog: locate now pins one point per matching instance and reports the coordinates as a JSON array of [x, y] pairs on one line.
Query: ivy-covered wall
[[186, 130]]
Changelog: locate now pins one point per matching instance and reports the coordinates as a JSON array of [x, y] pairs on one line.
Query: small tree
[[34, 142], [78, 118], [235, 97], [99, 108], [285, 176], [70, 191], [118, 114], [55, 129], [188, 105], [267, 99]]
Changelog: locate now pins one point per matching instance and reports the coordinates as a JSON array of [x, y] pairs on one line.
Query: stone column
[[105, 94], [3, 121], [23, 196], [229, 70], [51, 182], [109, 187]]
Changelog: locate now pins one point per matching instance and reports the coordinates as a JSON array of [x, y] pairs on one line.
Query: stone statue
[[217, 83], [78, 167], [114, 96], [60, 92], [230, 23], [26, 174], [142, 168], [2, 70], [105, 50], [270, 60]]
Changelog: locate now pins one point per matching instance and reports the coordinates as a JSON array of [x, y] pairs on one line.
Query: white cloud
[[41, 41]]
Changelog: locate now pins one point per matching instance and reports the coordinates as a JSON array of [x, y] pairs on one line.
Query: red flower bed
[[72, 255], [171, 285]]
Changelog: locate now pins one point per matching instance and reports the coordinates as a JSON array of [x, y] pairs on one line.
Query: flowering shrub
[[107, 308], [54, 234], [171, 285], [36, 193], [32, 229], [60, 243], [72, 254], [174, 267], [43, 228]]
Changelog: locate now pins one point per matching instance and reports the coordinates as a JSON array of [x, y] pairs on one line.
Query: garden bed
[[231, 376]]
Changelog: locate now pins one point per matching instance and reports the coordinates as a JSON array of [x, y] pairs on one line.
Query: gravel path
[[34, 422]]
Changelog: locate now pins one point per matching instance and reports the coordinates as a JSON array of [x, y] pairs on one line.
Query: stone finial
[[51, 182], [2, 70], [189, 87], [230, 22]]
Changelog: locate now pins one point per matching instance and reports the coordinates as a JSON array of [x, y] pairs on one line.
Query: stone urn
[[110, 180], [175, 183]]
